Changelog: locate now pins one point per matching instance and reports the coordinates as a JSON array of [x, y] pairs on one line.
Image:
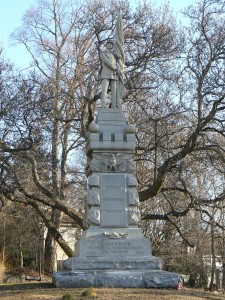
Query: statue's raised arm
[[112, 60]]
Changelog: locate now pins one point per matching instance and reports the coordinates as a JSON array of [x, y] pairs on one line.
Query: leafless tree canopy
[[174, 94]]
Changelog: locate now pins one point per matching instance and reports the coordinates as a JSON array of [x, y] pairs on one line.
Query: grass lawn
[[39, 291]]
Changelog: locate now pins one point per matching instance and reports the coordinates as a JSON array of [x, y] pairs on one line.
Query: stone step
[[87, 263]]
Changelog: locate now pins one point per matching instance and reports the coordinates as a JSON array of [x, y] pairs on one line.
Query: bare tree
[[187, 128], [174, 95]]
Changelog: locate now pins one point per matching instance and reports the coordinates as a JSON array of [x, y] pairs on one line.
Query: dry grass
[[46, 291]]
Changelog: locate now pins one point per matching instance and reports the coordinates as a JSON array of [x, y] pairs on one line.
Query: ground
[[46, 291]]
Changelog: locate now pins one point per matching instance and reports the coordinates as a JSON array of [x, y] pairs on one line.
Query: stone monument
[[112, 251]]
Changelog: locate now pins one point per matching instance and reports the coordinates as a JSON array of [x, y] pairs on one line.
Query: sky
[[11, 14]]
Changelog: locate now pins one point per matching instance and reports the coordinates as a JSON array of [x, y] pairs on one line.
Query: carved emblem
[[111, 163], [115, 235]]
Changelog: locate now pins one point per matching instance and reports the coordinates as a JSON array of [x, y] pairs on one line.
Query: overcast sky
[[11, 13]]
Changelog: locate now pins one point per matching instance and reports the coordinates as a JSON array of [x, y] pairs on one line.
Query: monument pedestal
[[112, 252], [116, 279]]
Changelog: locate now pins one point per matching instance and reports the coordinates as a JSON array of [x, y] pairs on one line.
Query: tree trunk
[[168, 233], [223, 270], [3, 248], [49, 254], [213, 266], [50, 244], [20, 256]]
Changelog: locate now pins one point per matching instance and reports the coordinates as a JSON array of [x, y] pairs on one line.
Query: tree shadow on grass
[[26, 286]]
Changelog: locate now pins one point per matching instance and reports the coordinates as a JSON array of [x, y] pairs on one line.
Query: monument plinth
[[112, 251]]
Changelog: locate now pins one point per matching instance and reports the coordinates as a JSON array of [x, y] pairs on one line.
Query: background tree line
[[174, 94]]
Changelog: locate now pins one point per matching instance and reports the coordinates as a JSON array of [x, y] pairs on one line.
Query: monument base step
[[114, 263], [116, 279]]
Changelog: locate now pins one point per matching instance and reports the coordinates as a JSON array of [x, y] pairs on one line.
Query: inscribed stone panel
[[113, 200]]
